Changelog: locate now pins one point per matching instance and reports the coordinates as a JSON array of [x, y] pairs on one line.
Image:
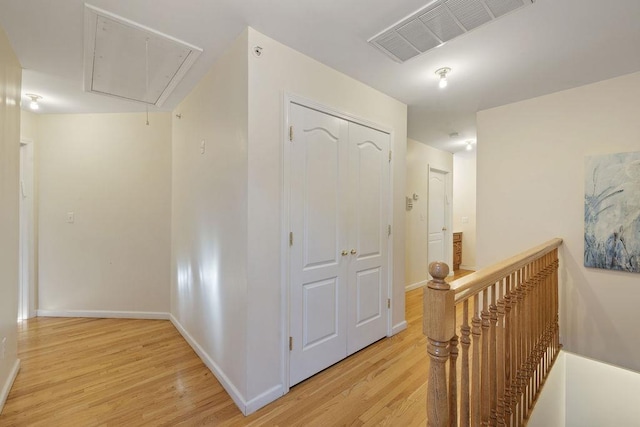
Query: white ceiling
[[539, 49]]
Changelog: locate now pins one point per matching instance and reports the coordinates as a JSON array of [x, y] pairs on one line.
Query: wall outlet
[[3, 348], [71, 217], [465, 219]]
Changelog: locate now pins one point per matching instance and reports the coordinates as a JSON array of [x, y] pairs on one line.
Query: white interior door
[[318, 288], [437, 223], [368, 237], [339, 194]]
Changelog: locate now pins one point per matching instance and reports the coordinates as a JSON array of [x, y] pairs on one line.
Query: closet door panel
[[368, 222], [318, 290]]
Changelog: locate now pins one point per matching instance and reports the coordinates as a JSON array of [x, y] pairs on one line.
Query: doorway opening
[[26, 291]]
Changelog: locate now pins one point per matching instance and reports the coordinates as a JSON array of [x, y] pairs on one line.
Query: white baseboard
[[415, 285], [264, 399], [4, 393], [399, 327], [105, 314], [236, 396], [468, 267]]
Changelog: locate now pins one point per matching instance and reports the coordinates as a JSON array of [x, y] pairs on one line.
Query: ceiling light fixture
[[442, 73], [34, 100], [469, 146]]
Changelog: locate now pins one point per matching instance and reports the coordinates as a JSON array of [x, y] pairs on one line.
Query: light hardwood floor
[[118, 372]]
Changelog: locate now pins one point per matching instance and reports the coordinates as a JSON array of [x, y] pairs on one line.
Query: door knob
[[444, 228], [353, 252], [345, 253]]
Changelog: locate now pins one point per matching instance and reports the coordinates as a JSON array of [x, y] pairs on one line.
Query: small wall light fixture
[[469, 146], [442, 73], [34, 100]]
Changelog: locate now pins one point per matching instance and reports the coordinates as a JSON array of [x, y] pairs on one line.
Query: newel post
[[439, 327]]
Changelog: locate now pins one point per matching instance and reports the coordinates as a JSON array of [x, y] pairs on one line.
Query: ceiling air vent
[[439, 22], [127, 60]]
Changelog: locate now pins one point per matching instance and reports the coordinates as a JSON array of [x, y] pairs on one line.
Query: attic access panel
[[437, 23], [127, 60]]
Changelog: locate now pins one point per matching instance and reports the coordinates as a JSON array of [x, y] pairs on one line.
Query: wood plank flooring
[[120, 372]]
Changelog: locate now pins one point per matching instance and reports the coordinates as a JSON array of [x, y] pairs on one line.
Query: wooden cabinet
[[457, 250]]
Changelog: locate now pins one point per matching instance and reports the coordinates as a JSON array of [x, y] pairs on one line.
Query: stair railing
[[501, 323]]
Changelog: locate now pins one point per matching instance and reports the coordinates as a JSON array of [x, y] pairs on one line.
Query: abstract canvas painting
[[612, 212]]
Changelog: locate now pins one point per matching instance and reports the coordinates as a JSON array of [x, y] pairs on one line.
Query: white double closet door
[[339, 217]]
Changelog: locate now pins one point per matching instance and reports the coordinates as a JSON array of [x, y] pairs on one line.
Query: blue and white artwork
[[612, 212]]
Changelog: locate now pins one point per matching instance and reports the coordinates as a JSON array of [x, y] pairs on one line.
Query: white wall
[[419, 158], [278, 71], [114, 173], [10, 81], [599, 394], [550, 409], [530, 188], [209, 219], [581, 392], [28, 125], [464, 204]]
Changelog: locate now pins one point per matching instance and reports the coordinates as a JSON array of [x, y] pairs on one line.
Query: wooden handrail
[[474, 283], [508, 333]]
